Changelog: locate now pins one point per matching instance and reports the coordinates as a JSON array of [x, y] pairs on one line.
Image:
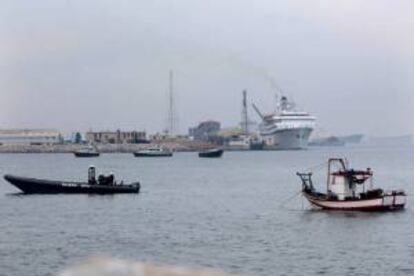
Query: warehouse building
[[30, 137], [117, 137], [205, 130]]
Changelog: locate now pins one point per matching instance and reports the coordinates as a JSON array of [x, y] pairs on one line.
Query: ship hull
[[151, 154], [288, 139]]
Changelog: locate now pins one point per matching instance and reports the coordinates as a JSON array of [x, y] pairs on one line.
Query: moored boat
[[88, 151], [154, 152], [347, 190], [212, 153], [104, 185], [287, 128], [86, 154]]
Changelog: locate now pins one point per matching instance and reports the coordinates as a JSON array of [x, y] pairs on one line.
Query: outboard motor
[[92, 175]]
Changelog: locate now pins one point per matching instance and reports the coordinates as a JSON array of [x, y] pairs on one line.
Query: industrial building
[[30, 137], [117, 137], [205, 130]]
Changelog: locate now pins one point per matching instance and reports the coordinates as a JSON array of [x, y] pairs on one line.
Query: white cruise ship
[[287, 128]]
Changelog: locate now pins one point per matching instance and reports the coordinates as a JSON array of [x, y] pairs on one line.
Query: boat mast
[[329, 176], [343, 164]]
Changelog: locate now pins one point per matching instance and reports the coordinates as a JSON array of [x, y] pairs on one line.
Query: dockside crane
[[258, 111]]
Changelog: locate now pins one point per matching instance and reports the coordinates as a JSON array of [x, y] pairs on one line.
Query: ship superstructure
[[286, 128]]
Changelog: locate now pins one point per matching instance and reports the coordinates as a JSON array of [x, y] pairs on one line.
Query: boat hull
[[39, 186], [146, 154], [287, 139], [211, 154], [86, 154], [387, 202], [256, 146]]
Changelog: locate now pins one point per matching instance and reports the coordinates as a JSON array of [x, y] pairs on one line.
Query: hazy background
[[103, 64]]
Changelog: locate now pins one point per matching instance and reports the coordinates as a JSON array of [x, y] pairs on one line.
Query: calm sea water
[[231, 214]]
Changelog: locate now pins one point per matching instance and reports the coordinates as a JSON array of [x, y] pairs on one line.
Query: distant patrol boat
[[346, 190], [154, 152], [88, 151]]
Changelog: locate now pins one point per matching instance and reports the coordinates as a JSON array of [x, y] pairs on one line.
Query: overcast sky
[[100, 64]]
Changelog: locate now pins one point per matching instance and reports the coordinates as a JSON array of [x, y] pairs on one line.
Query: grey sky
[[104, 64]]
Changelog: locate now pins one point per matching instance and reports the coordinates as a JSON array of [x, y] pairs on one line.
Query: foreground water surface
[[237, 214]]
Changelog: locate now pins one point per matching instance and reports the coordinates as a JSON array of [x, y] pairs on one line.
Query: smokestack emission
[[245, 118]]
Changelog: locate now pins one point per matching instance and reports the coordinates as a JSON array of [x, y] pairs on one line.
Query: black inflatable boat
[[40, 186]]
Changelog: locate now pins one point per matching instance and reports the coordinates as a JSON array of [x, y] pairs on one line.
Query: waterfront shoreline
[[187, 146], [182, 146]]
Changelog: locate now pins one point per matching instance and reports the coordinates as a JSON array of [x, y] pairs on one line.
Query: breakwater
[[105, 148]]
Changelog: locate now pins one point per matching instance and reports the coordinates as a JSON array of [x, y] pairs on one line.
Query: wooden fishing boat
[[212, 153], [347, 190], [104, 185]]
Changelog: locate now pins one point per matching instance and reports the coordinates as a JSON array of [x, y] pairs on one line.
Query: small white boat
[[347, 190], [154, 152], [87, 151]]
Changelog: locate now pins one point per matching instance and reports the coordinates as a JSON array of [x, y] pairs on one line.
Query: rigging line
[[317, 167], [289, 199], [301, 198]]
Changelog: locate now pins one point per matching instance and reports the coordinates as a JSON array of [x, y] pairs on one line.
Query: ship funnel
[[284, 104]]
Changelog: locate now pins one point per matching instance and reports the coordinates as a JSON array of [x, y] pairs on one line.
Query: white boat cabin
[[344, 183]]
